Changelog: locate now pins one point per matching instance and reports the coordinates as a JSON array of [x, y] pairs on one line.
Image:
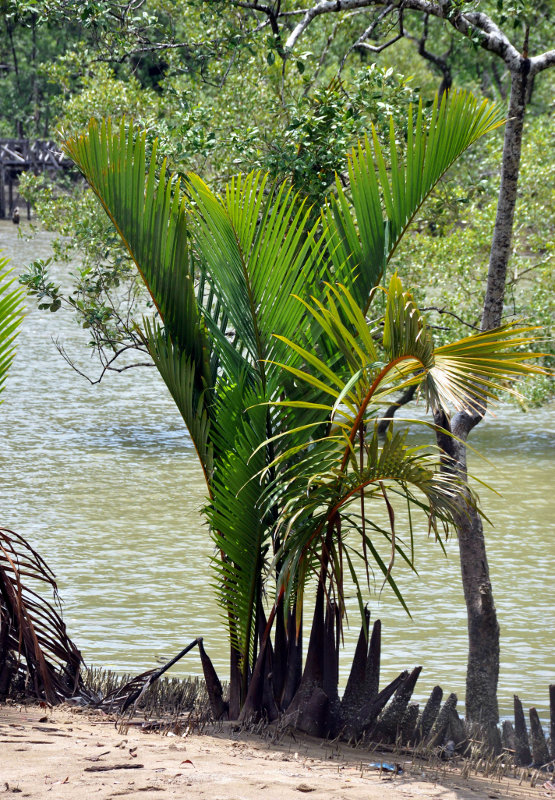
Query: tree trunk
[[483, 628], [503, 230]]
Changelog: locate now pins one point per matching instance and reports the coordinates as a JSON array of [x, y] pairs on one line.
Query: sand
[[73, 754]]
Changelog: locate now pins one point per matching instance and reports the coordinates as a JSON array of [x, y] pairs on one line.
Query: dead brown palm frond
[[35, 650], [130, 693]]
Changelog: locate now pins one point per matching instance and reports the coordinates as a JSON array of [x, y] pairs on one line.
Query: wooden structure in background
[[20, 155]]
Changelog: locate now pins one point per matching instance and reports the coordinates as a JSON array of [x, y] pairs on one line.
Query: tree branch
[[366, 35], [378, 48], [472, 24], [324, 7], [541, 62], [438, 61], [107, 366], [451, 314], [272, 19]]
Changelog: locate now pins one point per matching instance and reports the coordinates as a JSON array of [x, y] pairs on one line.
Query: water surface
[[103, 481]]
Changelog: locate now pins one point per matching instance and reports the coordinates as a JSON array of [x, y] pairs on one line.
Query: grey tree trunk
[[483, 627], [503, 230], [482, 671]]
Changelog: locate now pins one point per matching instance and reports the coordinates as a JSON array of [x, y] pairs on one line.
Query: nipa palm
[[279, 394]]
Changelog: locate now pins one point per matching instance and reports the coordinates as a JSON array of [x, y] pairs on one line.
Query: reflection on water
[[103, 481]]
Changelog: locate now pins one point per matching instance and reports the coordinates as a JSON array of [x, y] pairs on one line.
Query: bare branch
[[107, 365], [518, 275], [228, 69], [366, 35], [378, 49], [541, 62], [473, 24], [438, 61], [323, 7], [451, 314]]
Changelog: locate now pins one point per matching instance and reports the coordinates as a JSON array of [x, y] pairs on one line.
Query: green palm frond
[[178, 372], [239, 530], [385, 198], [367, 376], [320, 495], [151, 218], [11, 306], [339, 462], [258, 249], [404, 329], [454, 376]]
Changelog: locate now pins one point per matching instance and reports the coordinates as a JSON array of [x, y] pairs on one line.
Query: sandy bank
[[66, 754]]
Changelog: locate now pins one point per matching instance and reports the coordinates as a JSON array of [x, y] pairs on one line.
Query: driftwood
[[110, 767], [129, 695]]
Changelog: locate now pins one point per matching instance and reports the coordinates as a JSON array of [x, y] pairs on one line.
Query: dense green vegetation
[[211, 88]]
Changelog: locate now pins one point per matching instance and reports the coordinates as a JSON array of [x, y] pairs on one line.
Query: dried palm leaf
[[35, 651]]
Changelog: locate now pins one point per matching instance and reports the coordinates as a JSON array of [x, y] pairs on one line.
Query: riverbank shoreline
[[73, 754]]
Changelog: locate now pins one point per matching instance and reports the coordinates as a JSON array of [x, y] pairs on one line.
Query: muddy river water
[[103, 481]]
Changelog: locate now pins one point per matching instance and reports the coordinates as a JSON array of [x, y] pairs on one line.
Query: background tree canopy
[[208, 80]]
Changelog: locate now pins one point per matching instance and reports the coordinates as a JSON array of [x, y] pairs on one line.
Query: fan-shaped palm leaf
[[342, 463], [453, 376]]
